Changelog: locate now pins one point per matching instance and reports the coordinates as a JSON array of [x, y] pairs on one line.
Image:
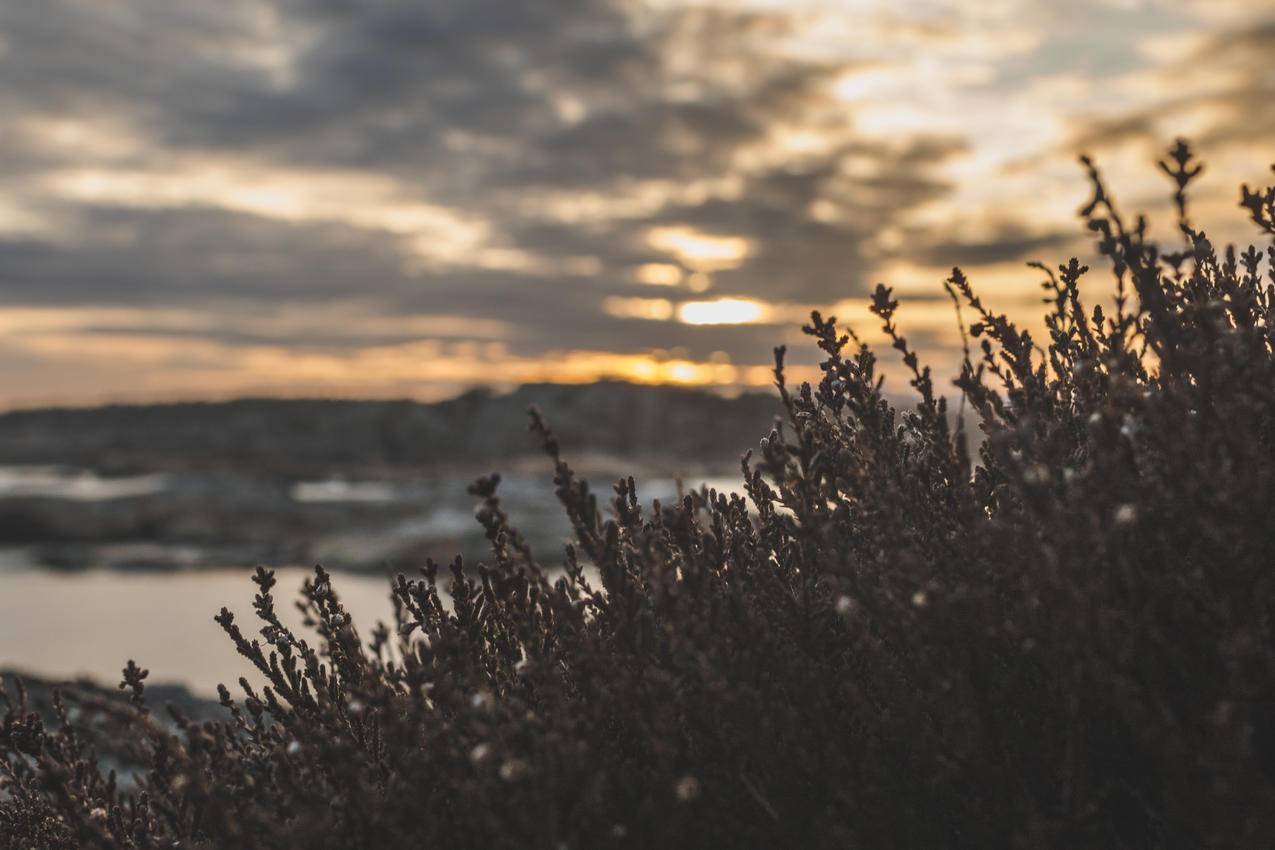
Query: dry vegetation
[[1067, 643]]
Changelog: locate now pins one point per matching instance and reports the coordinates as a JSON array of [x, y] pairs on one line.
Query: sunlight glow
[[723, 311], [168, 369], [655, 309], [659, 274], [700, 250]]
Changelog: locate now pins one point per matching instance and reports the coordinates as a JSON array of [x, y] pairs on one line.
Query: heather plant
[[1060, 639]]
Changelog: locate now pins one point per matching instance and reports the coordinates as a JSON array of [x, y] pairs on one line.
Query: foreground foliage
[[1066, 644]]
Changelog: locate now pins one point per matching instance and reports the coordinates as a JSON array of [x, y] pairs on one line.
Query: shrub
[[886, 644]]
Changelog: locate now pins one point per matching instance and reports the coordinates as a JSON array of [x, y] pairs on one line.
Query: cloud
[[1005, 242], [467, 159], [1223, 87], [194, 255], [324, 176]]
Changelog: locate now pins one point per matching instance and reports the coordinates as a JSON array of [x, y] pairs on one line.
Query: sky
[[406, 198]]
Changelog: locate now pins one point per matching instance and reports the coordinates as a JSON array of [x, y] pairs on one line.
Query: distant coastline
[[356, 485]]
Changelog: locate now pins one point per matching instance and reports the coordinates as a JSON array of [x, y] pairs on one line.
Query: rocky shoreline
[[353, 485]]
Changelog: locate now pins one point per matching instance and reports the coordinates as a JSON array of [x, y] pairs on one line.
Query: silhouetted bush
[[1066, 644]]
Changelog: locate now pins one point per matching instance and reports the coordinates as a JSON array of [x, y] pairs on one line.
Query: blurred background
[[318, 256]]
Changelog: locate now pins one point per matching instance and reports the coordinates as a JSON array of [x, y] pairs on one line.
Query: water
[[61, 625], [79, 485], [340, 490], [82, 485]]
